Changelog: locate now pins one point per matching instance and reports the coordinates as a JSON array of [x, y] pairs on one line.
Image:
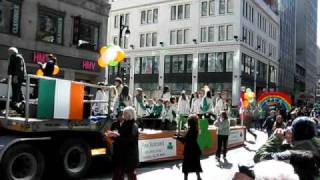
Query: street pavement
[[212, 170]]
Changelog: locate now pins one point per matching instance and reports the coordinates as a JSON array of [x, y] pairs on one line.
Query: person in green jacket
[[223, 125]]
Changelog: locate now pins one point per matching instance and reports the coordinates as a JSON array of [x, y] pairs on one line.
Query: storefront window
[[189, 63], [89, 35], [10, 13], [167, 64], [229, 62], [202, 62], [177, 64], [146, 66], [156, 65], [137, 66], [50, 26]]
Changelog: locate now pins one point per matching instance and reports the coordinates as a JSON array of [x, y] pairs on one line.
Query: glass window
[[125, 42], [203, 34], [204, 8], [126, 19], [179, 36], [167, 64], [88, 35], [173, 12], [210, 34], [211, 7], [229, 32], [156, 65], [222, 6], [177, 64], [155, 16], [173, 37], [137, 65], [202, 62], [212, 58], [115, 40], [222, 32], [180, 12], [154, 39], [186, 36], [143, 17], [149, 16], [148, 40], [142, 40], [187, 11], [50, 29], [229, 62], [189, 63], [10, 17], [146, 67], [116, 21], [230, 6]]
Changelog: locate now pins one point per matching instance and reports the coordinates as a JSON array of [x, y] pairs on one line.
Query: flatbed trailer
[[30, 145]]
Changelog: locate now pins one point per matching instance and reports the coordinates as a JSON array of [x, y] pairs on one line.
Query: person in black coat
[[125, 155], [268, 124], [192, 151], [17, 69]]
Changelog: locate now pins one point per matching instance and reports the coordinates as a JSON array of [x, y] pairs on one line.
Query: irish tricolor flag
[[60, 99]]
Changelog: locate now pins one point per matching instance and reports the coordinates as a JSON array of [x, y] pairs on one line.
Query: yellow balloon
[[56, 70], [121, 55], [103, 50], [39, 72], [102, 63]]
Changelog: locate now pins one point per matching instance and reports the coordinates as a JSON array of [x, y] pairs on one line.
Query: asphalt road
[[171, 170]]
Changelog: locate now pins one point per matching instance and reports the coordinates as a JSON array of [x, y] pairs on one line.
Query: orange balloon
[[103, 50], [246, 103], [101, 63], [120, 56], [56, 70], [39, 72]]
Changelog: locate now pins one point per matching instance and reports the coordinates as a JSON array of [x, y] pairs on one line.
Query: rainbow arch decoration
[[272, 98]]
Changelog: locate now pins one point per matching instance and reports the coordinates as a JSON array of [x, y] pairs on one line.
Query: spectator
[[17, 69], [125, 146], [301, 136], [279, 123], [223, 125], [261, 118], [192, 151], [268, 124]]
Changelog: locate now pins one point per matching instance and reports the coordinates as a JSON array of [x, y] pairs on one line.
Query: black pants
[[17, 95], [222, 139]]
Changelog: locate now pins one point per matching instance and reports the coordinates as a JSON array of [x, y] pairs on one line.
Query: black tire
[[22, 161], [74, 158]]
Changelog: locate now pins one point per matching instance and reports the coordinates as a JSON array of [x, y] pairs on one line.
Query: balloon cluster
[[56, 71], [110, 55], [248, 97]]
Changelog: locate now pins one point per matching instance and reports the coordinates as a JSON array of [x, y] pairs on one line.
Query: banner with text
[[152, 149], [236, 136]]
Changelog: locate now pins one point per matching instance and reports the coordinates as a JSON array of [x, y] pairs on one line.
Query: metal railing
[[27, 94]]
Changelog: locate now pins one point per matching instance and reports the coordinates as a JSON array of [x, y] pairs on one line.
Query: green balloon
[[113, 63], [109, 46], [248, 90]]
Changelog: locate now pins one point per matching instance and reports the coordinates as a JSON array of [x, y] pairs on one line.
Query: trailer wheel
[[22, 162], [75, 158]]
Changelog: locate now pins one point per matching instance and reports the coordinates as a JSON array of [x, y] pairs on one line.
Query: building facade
[[287, 53], [185, 44], [72, 30], [306, 49]]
